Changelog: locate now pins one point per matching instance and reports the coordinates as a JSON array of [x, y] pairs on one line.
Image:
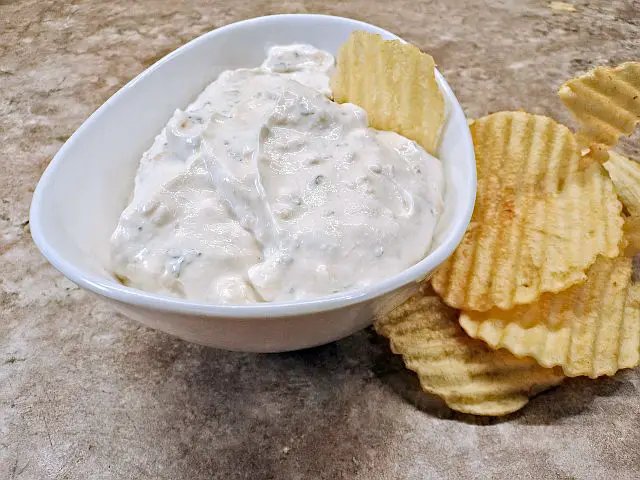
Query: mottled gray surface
[[86, 393]]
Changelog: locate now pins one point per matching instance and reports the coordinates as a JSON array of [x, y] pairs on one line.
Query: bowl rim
[[132, 296]]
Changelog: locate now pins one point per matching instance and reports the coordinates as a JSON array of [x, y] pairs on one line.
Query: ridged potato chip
[[591, 329], [542, 216], [605, 101], [394, 83], [465, 373], [625, 174]]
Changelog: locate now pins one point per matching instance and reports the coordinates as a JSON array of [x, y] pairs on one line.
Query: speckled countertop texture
[[88, 394]]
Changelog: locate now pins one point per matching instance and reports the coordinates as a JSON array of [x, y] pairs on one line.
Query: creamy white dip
[[264, 189]]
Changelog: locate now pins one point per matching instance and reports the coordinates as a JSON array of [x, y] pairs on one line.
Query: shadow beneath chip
[[572, 397]]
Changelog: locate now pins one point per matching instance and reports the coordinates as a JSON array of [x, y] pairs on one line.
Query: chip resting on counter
[[468, 375], [592, 329], [395, 83], [537, 199], [605, 102]]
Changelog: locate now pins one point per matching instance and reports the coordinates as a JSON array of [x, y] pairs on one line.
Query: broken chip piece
[[606, 103], [625, 174]]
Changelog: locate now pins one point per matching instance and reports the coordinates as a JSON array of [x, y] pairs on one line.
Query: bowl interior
[[80, 197]]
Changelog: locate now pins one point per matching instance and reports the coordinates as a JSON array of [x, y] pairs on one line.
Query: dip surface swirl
[[263, 189]]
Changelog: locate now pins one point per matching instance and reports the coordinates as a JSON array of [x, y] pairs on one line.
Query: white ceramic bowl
[[81, 194]]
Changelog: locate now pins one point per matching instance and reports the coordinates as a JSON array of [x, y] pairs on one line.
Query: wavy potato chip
[[537, 200], [605, 101], [394, 83], [625, 174], [465, 373], [591, 329]]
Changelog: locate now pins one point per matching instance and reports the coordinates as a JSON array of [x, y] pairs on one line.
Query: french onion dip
[[264, 189]]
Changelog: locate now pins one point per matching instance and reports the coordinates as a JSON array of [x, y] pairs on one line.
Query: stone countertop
[[87, 393]]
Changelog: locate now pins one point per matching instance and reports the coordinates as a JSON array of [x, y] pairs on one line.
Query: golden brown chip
[[542, 215], [394, 83], [625, 174], [632, 235], [562, 7], [605, 101], [591, 329], [465, 373]]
